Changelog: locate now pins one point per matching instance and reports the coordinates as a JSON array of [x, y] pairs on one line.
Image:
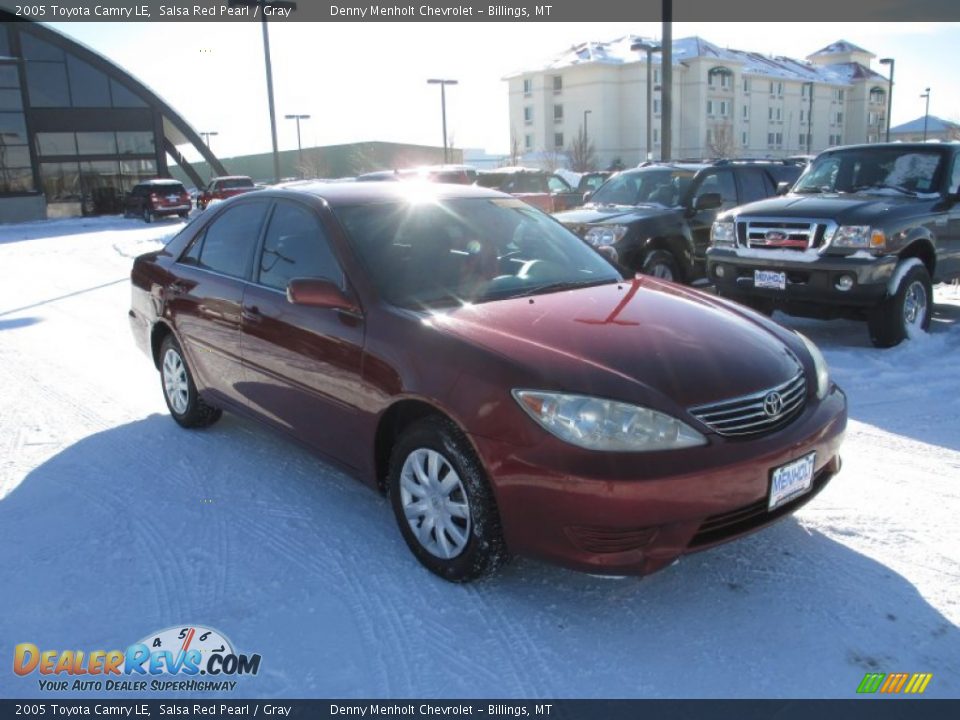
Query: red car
[[157, 198], [544, 190], [466, 354], [221, 188]]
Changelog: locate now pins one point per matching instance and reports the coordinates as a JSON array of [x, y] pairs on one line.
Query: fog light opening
[[721, 271], [844, 283]]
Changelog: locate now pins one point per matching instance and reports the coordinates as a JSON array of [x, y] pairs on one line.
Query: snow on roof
[[934, 124], [618, 52], [839, 48]]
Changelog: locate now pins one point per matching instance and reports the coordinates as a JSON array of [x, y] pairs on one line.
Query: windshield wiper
[[563, 285], [809, 191], [884, 186]]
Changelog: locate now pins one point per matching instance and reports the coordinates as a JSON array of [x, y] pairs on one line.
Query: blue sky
[[367, 81]]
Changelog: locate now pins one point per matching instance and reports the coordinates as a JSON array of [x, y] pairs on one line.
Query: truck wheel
[[661, 264], [904, 314]]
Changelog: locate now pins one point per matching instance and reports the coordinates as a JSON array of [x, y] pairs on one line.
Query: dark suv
[[860, 235], [155, 198], [656, 218]]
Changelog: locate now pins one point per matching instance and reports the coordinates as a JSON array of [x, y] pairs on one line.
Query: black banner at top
[[472, 11]]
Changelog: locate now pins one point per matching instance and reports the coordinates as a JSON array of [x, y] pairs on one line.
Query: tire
[[661, 264], [470, 544], [906, 312], [179, 391], [184, 214], [147, 216]]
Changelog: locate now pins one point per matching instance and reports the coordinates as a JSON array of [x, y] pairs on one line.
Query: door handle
[[251, 314], [177, 288]]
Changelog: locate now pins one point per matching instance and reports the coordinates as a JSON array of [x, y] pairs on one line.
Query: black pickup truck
[[656, 219], [862, 234]]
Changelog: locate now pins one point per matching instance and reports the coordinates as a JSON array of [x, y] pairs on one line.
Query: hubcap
[[915, 305], [662, 271], [435, 503], [175, 383]]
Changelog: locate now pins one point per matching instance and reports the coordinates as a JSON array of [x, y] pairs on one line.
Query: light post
[[891, 63], [263, 5], [650, 48], [206, 138], [809, 86], [586, 138], [298, 118], [443, 108], [926, 113]]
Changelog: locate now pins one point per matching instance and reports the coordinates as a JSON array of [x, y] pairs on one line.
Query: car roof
[[354, 193], [161, 181], [230, 177], [951, 145]]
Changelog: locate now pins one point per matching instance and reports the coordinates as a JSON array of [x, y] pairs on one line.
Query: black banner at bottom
[[854, 709]]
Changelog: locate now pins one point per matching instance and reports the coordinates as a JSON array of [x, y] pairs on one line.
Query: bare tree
[[581, 153], [552, 160], [720, 142], [515, 153]]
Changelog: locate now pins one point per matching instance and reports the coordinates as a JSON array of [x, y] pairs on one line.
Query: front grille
[[785, 233], [751, 414]]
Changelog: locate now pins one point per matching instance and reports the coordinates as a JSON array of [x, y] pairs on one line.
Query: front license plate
[[791, 480], [770, 279]]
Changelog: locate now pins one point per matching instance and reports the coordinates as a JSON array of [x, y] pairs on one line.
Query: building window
[[724, 108], [802, 142], [746, 85], [776, 88], [838, 118], [528, 115], [656, 106], [709, 107], [558, 140], [656, 76], [558, 113], [746, 113], [557, 84], [743, 138], [527, 86], [528, 142], [656, 136]]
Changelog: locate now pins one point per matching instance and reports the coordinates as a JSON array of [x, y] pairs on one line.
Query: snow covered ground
[[115, 523]]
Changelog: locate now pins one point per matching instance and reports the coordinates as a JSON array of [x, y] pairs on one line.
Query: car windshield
[[663, 186], [888, 170], [236, 183], [428, 254]]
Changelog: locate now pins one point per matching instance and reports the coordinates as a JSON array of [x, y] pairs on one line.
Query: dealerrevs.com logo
[[182, 652]]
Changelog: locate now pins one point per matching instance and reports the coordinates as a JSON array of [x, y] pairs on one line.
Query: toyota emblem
[[773, 404]]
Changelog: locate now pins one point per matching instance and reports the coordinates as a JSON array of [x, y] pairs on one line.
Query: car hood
[[641, 341], [599, 214], [854, 209]]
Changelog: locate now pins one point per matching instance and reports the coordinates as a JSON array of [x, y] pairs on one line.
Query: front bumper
[[812, 283], [620, 513]]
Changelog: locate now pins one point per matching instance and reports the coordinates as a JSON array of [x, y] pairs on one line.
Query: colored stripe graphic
[[915, 683], [871, 682]]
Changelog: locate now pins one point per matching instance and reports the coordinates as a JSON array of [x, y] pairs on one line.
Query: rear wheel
[[443, 503], [147, 215], [184, 402], [904, 314], [661, 264]]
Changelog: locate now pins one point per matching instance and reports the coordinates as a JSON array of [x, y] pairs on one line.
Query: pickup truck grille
[[784, 233], [752, 414]]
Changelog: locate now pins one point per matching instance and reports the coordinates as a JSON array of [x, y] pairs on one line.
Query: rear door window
[[229, 241], [752, 186]]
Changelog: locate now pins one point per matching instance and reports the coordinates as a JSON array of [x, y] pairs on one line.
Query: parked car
[[491, 373], [456, 174], [221, 188], [590, 182], [656, 219], [861, 235], [544, 190], [157, 198]]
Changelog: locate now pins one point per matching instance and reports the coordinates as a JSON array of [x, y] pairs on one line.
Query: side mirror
[[707, 201], [586, 197], [311, 292], [783, 188]]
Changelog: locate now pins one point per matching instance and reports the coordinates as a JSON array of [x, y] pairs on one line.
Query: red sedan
[[463, 352], [221, 188]]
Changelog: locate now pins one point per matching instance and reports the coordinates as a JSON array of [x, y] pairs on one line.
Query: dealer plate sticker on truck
[[770, 279], [791, 480]]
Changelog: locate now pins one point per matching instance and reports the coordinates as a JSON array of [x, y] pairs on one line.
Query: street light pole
[[650, 48], [298, 118], [443, 108], [206, 138], [262, 6], [586, 138], [809, 86], [891, 63], [666, 78], [926, 113]]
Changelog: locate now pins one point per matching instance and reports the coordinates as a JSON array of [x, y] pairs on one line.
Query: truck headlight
[[859, 237], [600, 235], [599, 424], [723, 232], [819, 366]]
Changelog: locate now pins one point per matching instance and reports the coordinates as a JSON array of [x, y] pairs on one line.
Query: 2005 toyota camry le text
[[511, 392]]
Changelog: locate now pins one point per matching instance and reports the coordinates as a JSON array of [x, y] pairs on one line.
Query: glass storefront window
[[88, 86], [13, 130], [36, 49], [102, 190], [10, 100], [4, 42], [122, 97], [50, 144], [60, 181], [96, 143], [9, 77], [135, 143], [47, 83], [16, 156], [14, 180]]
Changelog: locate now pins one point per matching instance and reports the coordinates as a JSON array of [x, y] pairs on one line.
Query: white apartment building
[[726, 103]]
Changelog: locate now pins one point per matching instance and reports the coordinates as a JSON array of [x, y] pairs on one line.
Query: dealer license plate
[[791, 480], [770, 279]]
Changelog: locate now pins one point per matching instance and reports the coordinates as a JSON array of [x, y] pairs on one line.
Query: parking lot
[[114, 522]]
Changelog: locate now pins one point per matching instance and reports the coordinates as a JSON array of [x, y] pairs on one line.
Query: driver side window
[[719, 182], [955, 176]]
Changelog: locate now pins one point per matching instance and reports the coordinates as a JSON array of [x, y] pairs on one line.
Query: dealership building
[[76, 131]]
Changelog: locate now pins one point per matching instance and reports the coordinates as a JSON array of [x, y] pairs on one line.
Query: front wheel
[[443, 503], [661, 264], [180, 392], [904, 314]]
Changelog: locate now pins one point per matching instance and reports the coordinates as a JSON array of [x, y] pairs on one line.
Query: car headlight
[[723, 232], [599, 424], [600, 235], [860, 237], [819, 365]]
